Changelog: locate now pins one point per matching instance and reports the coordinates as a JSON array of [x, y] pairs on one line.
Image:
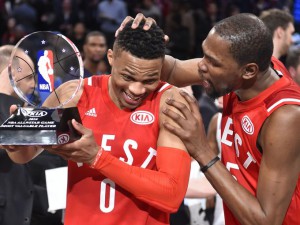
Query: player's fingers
[[193, 103], [182, 108], [80, 128], [148, 23], [13, 108], [125, 21], [139, 17], [178, 131], [167, 39]]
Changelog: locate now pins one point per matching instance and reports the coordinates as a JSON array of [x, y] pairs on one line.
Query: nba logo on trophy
[[45, 71]]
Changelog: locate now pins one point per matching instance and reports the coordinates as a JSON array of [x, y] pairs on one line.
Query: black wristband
[[212, 162]]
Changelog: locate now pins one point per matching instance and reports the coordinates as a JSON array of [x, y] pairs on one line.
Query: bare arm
[[64, 93], [180, 73], [279, 169], [212, 133], [200, 187]]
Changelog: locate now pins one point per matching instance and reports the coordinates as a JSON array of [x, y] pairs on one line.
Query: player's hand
[[191, 129], [136, 21], [83, 150]]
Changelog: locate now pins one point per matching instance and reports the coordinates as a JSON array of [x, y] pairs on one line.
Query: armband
[[210, 164], [99, 153]]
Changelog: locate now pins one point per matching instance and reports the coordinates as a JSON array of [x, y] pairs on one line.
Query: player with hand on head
[[122, 171], [258, 178]]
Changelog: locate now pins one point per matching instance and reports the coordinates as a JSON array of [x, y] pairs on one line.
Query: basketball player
[[122, 170], [258, 178]]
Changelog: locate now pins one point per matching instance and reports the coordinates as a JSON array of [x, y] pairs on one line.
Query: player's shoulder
[[174, 93], [285, 118]]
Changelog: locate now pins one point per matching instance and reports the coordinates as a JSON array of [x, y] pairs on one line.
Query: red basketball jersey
[[131, 136], [241, 123]]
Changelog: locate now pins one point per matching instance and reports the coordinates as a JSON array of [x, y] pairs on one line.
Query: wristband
[[99, 153], [211, 163]]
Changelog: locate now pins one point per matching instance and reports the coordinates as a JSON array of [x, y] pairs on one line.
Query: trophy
[[39, 64]]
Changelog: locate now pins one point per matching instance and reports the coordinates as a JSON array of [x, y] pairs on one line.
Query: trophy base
[[41, 126], [28, 137]]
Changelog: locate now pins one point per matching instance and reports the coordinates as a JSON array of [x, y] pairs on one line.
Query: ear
[[110, 57], [279, 32], [250, 70]]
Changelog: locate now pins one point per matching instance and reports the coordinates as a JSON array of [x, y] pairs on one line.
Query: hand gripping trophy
[[49, 57]]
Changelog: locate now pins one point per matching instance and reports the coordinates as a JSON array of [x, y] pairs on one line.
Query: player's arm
[[200, 187], [63, 93], [279, 170], [180, 73], [164, 188], [280, 165], [22, 154], [212, 133], [177, 72]]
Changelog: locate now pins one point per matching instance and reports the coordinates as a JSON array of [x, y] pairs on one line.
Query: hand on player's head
[[136, 21]]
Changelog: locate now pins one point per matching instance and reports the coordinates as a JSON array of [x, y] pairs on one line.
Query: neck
[[5, 86], [91, 67], [263, 81], [276, 49]]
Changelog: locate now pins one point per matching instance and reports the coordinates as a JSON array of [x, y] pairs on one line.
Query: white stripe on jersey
[[281, 101], [90, 81], [279, 72], [163, 87]]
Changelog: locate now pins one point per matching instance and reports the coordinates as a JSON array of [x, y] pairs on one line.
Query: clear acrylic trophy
[[50, 58]]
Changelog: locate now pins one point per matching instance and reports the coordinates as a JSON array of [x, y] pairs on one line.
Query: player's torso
[[241, 124], [130, 136]]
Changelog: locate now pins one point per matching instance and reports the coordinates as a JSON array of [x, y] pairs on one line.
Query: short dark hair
[[274, 18], [143, 44], [293, 57], [250, 40]]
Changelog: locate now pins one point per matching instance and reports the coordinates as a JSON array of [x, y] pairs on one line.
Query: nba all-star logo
[[45, 71]]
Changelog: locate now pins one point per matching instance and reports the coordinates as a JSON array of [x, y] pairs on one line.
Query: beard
[[212, 92]]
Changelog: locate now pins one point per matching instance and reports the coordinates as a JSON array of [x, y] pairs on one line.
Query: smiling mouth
[[131, 99]]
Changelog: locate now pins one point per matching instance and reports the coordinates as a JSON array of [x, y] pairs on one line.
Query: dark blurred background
[[185, 21]]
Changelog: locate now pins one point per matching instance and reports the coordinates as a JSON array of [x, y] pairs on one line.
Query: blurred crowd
[[187, 22]]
